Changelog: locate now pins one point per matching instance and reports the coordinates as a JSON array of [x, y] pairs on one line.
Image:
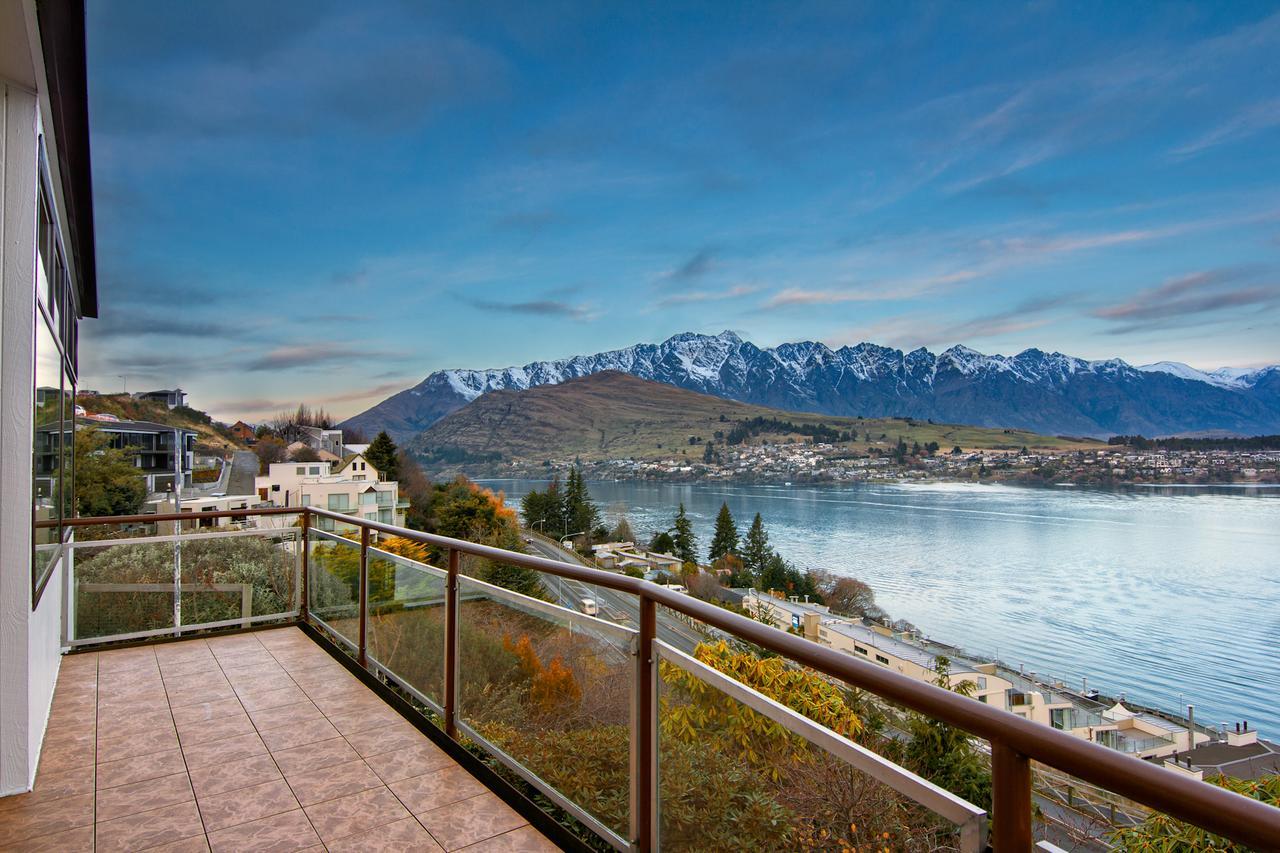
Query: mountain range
[[613, 415], [1047, 393]]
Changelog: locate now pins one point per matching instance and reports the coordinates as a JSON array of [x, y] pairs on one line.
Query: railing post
[[1010, 800], [644, 794], [303, 609], [451, 645], [364, 593]]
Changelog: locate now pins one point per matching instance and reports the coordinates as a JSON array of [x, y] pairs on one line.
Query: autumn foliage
[[553, 689]]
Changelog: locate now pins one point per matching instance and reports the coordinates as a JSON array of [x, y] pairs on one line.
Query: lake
[[1170, 596]]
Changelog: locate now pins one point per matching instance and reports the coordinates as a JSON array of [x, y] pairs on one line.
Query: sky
[[326, 201]]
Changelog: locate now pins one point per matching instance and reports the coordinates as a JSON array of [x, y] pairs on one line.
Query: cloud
[[1187, 299], [698, 265], [793, 296], [582, 312], [130, 323], [698, 296], [913, 330], [1252, 120], [311, 356]]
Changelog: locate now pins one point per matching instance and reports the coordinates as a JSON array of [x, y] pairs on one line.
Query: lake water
[[1171, 596]]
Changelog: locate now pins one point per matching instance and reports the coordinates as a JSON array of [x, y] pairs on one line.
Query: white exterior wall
[[30, 642]]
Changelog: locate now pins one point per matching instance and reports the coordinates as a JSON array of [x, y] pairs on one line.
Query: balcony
[[389, 695], [244, 742]]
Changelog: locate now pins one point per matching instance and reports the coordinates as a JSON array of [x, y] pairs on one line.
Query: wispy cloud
[[697, 265], [312, 356], [1194, 298], [910, 331], [699, 296], [1254, 119], [581, 312]]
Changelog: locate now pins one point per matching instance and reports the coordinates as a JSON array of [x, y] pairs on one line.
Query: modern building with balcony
[[282, 687]]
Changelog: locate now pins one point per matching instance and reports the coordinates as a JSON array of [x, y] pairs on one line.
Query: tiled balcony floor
[[248, 742]]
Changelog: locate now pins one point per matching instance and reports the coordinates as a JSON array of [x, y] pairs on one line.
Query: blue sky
[[326, 201]]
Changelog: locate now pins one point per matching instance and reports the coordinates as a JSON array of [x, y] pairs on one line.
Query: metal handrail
[[1015, 741]]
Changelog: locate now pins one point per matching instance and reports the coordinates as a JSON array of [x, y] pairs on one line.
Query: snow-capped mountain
[[1047, 392]]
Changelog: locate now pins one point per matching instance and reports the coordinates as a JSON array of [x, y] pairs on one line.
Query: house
[[170, 397], [48, 283], [152, 447], [351, 486], [621, 556], [243, 432]]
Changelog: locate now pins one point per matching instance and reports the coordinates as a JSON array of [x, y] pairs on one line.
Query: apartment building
[[47, 285], [877, 644], [152, 447], [351, 486]]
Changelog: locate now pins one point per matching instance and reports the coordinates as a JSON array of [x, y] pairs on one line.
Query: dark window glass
[[47, 451]]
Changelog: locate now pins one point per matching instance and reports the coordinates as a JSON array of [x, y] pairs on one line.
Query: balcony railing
[[500, 669]]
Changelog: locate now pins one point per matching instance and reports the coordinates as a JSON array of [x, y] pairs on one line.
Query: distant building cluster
[[819, 462], [1177, 744]]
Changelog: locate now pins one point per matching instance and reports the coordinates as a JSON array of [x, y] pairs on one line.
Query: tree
[[544, 511], [304, 454], [106, 479], [622, 531], [725, 539], [851, 597], [383, 455], [1162, 832], [580, 512], [662, 543], [686, 544], [755, 551], [956, 451], [269, 449], [944, 754]]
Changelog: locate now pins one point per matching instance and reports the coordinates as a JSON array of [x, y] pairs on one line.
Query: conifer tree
[[686, 544], [725, 539], [383, 455], [755, 550], [580, 512]]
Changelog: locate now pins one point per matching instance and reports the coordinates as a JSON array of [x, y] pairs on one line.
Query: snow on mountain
[[1224, 377], [1048, 392]]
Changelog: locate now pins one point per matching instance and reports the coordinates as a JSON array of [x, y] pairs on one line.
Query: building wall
[[17, 306]]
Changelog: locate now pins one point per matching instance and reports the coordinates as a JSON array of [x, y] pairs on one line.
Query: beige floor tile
[[526, 839], [403, 836], [403, 763], [124, 800], [438, 788], [339, 780], [219, 728], [280, 833], [345, 816], [149, 829], [246, 804], [314, 756], [23, 822], [230, 775], [470, 821], [140, 768], [301, 734], [221, 751]]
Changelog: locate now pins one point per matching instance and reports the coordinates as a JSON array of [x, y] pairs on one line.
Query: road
[[617, 607], [244, 467]]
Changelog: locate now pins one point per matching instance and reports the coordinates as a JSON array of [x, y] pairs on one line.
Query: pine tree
[[580, 512], [686, 544], [383, 455], [725, 540], [755, 550]]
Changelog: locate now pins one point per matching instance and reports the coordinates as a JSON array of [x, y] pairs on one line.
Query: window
[[859, 649], [982, 682], [306, 500], [371, 516], [385, 516], [386, 499], [314, 470], [368, 498], [882, 660], [357, 477], [339, 503], [54, 387], [302, 470]]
